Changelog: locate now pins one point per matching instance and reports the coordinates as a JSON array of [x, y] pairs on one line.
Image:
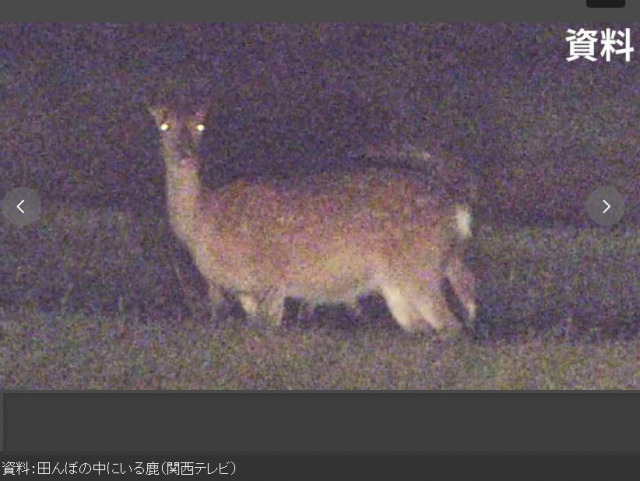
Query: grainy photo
[[319, 207]]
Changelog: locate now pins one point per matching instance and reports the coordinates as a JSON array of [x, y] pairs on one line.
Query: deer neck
[[184, 194]]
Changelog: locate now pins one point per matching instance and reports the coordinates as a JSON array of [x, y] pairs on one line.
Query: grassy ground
[[83, 310], [84, 352]]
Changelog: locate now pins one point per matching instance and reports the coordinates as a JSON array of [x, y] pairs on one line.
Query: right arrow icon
[[605, 205]]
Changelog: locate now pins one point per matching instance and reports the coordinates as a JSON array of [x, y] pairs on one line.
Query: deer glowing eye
[[164, 127], [200, 127]]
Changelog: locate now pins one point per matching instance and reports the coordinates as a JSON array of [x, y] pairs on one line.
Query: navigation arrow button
[[614, 206], [21, 206]]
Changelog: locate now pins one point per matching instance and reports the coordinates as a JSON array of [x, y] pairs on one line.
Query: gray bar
[[573, 11], [323, 423]]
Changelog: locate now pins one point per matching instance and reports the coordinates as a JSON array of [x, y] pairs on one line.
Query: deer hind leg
[[463, 283], [401, 308], [435, 312], [423, 286], [419, 304]]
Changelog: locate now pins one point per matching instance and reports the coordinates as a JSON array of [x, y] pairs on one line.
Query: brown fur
[[324, 238]]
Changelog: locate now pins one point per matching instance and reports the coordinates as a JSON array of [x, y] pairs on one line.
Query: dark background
[[541, 133]]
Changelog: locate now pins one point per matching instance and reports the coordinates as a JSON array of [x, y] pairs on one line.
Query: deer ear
[[156, 112]]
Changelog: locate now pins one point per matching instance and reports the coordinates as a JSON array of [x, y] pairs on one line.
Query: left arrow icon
[[21, 206]]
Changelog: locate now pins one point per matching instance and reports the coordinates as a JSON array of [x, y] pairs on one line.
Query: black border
[[612, 413], [325, 11], [276, 422], [606, 3]]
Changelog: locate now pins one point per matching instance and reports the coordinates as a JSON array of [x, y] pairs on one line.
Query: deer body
[[324, 238]]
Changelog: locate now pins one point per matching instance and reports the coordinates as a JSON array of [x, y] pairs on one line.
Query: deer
[[324, 237]]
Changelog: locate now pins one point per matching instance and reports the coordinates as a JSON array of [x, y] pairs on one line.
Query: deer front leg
[[220, 307], [272, 308], [266, 307]]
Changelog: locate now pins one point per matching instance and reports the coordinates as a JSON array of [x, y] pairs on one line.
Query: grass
[[81, 352], [84, 310]]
